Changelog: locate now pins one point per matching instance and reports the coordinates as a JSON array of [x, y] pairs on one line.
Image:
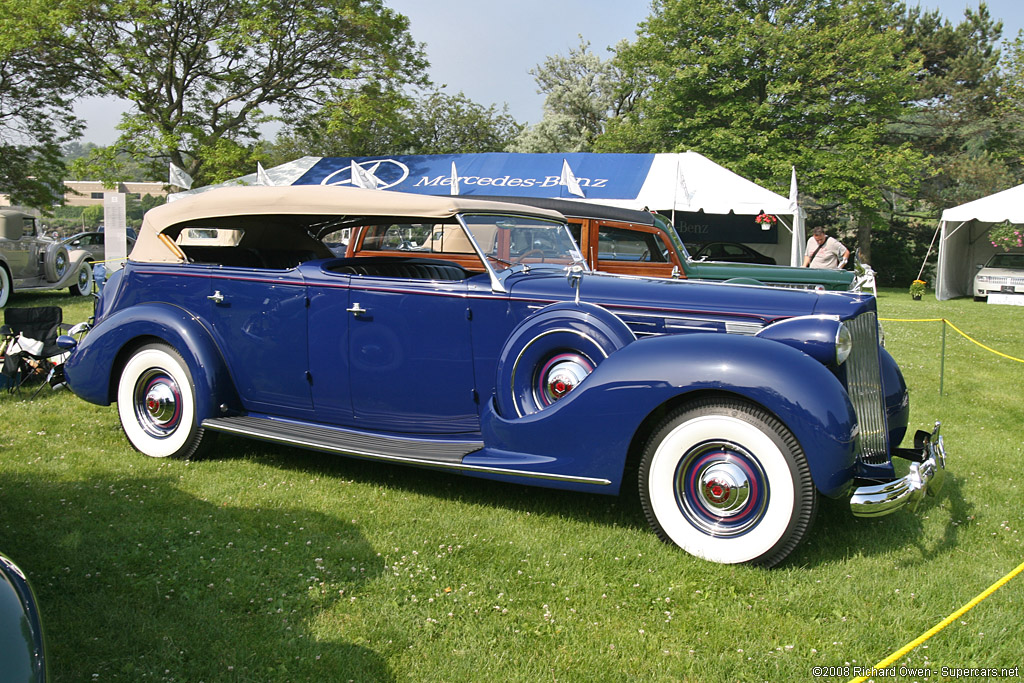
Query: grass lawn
[[266, 563]]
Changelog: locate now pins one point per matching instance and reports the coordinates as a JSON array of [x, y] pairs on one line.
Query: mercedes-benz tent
[[705, 201], [963, 245]]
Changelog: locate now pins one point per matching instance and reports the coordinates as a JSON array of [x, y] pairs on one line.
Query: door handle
[[356, 310], [216, 297]]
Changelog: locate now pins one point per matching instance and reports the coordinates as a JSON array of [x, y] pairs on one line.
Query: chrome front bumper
[[926, 475]]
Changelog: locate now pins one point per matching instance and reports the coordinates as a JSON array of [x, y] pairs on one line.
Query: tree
[[202, 75], [760, 85], [377, 125], [454, 124], [582, 93], [957, 118], [1010, 108], [37, 86]]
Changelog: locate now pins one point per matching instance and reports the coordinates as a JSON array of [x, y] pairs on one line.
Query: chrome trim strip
[[515, 365], [461, 467]]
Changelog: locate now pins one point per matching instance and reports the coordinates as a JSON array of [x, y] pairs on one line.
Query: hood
[[740, 303]]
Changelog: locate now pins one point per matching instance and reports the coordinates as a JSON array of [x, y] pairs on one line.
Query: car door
[[258, 317], [410, 355], [632, 249]]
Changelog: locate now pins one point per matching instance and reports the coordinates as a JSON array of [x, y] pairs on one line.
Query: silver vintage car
[[30, 261]]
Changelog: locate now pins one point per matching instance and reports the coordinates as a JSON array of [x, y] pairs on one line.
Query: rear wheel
[[727, 482], [156, 403], [83, 283]]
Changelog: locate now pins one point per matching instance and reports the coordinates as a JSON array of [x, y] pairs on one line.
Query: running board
[[345, 441], [440, 453]]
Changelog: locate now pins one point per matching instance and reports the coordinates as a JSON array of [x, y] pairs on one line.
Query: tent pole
[[925, 262]]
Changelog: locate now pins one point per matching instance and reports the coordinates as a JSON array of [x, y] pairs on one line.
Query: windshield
[[673, 237], [1015, 261], [511, 240]]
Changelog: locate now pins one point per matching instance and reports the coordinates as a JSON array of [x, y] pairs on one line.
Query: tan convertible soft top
[[314, 200]]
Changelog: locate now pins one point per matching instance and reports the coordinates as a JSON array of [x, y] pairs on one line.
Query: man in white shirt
[[825, 252]]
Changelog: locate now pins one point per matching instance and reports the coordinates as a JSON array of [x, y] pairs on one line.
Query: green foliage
[[1006, 236], [268, 563], [202, 76], [37, 85], [375, 122], [957, 118], [92, 215], [454, 124], [766, 85], [582, 93]]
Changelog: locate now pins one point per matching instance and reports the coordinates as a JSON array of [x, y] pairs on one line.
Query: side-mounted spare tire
[[550, 353]]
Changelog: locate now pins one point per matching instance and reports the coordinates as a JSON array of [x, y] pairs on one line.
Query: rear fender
[[94, 367], [632, 384]]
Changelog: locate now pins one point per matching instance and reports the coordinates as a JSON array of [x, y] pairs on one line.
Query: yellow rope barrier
[[895, 656], [957, 329]]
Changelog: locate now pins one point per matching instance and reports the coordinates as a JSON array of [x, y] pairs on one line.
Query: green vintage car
[[631, 242]]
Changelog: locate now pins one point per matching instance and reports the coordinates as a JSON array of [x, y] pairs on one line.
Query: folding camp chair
[[30, 346]]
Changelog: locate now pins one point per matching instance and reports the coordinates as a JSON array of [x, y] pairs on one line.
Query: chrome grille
[[1001, 280], [864, 385]]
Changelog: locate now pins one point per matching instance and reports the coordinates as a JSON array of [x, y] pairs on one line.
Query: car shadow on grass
[[838, 534], [621, 511], [137, 578]]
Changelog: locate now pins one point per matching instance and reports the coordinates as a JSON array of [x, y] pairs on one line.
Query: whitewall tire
[[83, 282], [156, 403], [5, 286], [727, 482]]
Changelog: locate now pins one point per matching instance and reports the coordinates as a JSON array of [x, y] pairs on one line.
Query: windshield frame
[[497, 277]]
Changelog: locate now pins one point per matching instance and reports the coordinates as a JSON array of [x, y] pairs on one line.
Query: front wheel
[[5, 286], [156, 403], [83, 283], [727, 482]]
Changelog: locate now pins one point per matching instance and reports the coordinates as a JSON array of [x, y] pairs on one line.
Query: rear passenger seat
[[416, 268]]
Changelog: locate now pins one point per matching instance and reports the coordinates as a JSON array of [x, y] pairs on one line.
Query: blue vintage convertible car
[[469, 335]]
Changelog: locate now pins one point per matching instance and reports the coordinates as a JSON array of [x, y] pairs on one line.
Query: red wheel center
[[718, 490]]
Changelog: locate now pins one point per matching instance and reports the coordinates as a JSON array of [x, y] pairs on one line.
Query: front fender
[[612, 403], [94, 366]]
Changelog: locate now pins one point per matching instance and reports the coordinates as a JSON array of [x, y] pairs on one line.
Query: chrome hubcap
[[158, 403], [725, 488], [721, 489], [560, 375]]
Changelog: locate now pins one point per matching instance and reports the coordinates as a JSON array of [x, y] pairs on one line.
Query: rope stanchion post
[[942, 360]]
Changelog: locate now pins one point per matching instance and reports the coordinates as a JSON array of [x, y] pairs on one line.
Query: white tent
[[963, 245], [692, 182], [667, 183]]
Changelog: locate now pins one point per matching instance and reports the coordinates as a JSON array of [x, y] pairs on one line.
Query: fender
[[90, 369], [611, 404]]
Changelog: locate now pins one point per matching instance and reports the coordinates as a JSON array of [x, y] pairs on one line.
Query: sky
[[486, 49]]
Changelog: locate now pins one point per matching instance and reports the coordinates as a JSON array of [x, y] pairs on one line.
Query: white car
[[1003, 274]]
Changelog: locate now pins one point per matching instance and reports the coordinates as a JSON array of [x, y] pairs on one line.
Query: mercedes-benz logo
[[388, 173]]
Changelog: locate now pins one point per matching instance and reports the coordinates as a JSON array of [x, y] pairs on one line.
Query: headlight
[[982, 278], [844, 344], [823, 337]]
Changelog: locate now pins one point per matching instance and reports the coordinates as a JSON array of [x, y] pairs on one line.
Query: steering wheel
[[531, 252]]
